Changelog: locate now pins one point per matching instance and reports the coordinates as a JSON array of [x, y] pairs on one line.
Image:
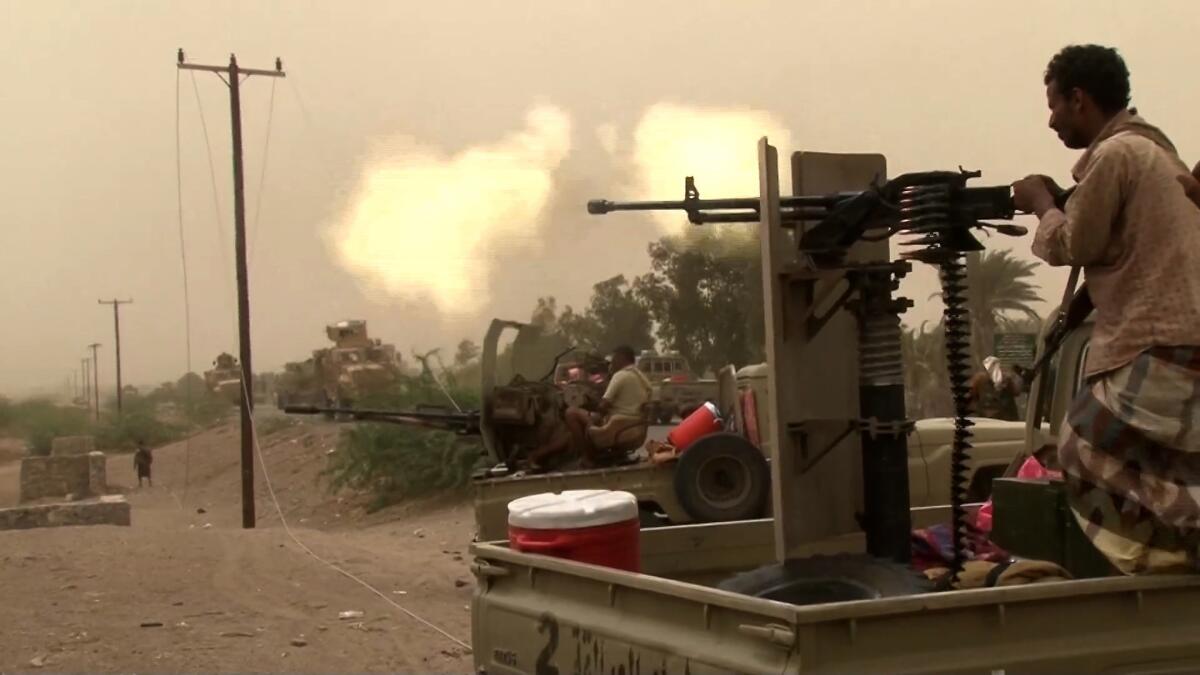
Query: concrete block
[[72, 445], [107, 510], [78, 475], [97, 474]]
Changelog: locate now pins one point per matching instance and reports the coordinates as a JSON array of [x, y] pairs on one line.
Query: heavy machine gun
[[515, 417], [465, 423], [937, 205], [806, 287]]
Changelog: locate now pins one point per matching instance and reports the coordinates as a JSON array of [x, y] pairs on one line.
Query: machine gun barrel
[[936, 205], [462, 423], [728, 210], [816, 203]]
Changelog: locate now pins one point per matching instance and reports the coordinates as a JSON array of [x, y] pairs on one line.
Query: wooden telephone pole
[[117, 330], [95, 379], [87, 384], [232, 76]]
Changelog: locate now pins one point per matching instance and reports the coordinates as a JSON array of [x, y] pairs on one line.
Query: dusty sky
[[408, 131]]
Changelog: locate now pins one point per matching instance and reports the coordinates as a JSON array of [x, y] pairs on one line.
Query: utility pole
[[87, 383], [232, 75], [96, 378], [117, 330]]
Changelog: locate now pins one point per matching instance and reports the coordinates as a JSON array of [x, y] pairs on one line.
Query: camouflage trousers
[[1130, 454]]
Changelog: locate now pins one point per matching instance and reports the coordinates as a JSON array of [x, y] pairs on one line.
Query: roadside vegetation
[[168, 413], [392, 463], [702, 298]]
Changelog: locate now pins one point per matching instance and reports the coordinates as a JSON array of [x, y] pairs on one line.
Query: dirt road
[[185, 588]]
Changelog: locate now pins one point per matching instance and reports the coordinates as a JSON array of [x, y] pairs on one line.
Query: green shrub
[[39, 421], [125, 432], [394, 462]]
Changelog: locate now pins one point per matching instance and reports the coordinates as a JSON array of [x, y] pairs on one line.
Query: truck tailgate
[[534, 614], [541, 616]]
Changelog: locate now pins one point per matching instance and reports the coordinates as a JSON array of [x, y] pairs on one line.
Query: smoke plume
[[716, 146], [428, 226]]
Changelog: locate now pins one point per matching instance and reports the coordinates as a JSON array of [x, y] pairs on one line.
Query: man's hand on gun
[[1035, 194]]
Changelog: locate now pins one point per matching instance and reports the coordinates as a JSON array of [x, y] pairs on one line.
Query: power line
[[212, 175], [262, 175], [288, 530]]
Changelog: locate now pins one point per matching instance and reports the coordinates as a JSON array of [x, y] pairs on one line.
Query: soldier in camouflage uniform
[[1130, 444]]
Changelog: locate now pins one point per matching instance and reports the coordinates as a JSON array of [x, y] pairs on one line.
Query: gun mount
[[807, 286]]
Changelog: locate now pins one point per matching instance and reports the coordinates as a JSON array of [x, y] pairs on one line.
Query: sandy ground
[[185, 588]]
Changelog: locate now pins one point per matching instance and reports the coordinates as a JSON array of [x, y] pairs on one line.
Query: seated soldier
[[619, 424]]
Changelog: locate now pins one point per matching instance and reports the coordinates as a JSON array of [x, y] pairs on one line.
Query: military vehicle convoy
[[824, 585], [225, 377], [337, 376], [225, 380]]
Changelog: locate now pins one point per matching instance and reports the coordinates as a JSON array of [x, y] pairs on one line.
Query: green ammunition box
[[1031, 519]]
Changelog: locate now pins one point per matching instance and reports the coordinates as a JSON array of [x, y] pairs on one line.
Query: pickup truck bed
[[995, 443], [530, 612]]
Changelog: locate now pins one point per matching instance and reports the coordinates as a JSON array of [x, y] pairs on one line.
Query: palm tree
[[926, 386], [999, 287]]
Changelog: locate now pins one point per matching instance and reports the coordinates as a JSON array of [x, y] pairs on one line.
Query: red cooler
[[599, 527], [702, 422]]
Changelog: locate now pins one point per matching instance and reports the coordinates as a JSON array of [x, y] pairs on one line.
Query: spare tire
[[831, 578], [722, 477]]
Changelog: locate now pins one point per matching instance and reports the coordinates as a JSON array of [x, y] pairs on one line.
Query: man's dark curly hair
[[1099, 71], [626, 352]]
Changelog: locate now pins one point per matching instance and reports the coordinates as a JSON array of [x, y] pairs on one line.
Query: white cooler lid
[[571, 509]]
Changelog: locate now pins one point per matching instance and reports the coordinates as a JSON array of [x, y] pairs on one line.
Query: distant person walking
[[142, 459]]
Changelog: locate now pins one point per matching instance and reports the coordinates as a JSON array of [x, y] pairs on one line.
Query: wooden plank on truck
[[816, 416]]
